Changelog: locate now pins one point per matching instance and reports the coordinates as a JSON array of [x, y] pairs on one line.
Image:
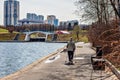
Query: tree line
[[32, 27], [37, 27], [105, 28]]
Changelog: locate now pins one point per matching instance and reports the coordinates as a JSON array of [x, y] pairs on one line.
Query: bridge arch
[[28, 34]]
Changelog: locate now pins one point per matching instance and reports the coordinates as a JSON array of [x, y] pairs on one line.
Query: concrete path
[[54, 68]]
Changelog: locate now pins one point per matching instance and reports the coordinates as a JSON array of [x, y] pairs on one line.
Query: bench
[[97, 61]]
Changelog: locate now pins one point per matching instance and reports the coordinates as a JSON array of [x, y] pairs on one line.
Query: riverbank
[[14, 41], [29, 67], [15, 56], [53, 67]]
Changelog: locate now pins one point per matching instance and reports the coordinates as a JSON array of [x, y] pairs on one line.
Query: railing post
[[27, 37], [46, 37]]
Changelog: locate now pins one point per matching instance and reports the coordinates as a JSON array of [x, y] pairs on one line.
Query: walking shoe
[[69, 63]]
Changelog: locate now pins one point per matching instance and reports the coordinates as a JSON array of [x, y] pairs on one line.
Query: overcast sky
[[62, 9]]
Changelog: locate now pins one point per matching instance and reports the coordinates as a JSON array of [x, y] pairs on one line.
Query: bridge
[[27, 37]]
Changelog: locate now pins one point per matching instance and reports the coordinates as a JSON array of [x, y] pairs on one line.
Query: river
[[15, 56]]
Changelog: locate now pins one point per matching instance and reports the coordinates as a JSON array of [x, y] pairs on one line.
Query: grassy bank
[[6, 36], [9, 37], [82, 36], [3, 31]]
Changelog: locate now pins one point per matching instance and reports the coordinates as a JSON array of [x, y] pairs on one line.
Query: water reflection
[[14, 56]]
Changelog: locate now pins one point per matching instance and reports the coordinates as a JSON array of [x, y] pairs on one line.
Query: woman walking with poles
[[70, 49]]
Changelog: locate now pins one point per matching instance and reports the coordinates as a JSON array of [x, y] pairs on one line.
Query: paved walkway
[[54, 68]]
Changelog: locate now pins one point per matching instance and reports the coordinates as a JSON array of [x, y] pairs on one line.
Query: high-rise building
[[40, 18], [51, 19], [32, 18], [35, 17], [56, 22], [69, 24], [11, 12]]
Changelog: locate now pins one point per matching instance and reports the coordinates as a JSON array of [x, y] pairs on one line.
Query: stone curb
[[113, 69], [30, 66]]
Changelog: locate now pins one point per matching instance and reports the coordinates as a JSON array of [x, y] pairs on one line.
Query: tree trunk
[[115, 9]]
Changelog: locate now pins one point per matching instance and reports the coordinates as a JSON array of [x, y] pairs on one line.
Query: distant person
[[70, 49], [55, 37]]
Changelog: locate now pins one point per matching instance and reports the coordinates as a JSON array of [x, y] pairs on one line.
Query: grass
[[34, 35], [8, 36], [119, 68], [21, 37], [5, 35], [82, 37], [3, 31], [6, 31]]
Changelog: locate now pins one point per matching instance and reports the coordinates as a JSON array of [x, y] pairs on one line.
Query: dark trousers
[[70, 55]]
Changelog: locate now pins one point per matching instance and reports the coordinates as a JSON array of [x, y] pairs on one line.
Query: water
[[14, 56]]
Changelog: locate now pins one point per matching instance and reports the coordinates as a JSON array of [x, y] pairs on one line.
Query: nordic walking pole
[[74, 56], [66, 59]]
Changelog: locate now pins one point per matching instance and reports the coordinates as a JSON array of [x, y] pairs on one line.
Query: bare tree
[[113, 3], [95, 10]]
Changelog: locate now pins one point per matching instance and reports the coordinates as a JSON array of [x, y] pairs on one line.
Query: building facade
[[28, 22], [11, 12], [56, 22], [34, 17], [69, 24], [51, 19], [66, 23], [31, 18]]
